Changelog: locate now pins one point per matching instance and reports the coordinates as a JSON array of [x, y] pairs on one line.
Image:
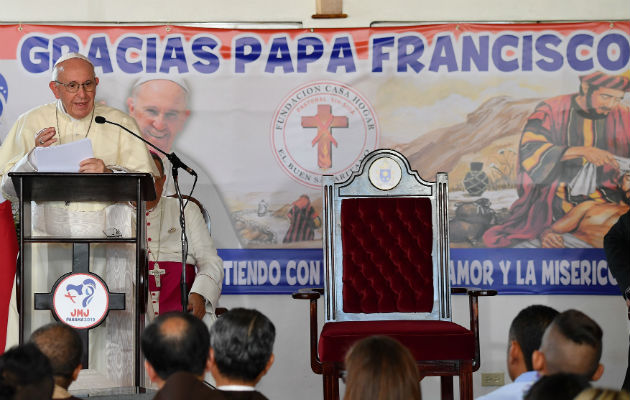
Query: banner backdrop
[[268, 112]]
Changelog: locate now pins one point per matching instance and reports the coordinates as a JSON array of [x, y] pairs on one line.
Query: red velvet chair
[[386, 259]]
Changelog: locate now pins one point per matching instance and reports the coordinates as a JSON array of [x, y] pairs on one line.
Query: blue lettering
[[479, 55], [497, 53], [411, 58], [378, 52], [246, 50], [443, 54], [174, 56], [303, 56], [59, 43], [151, 66], [121, 55], [572, 56], [99, 54], [33, 59], [279, 56], [341, 56], [199, 47], [555, 60], [527, 60], [624, 52]]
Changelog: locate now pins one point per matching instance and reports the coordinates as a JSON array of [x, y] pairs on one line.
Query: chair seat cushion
[[427, 340]]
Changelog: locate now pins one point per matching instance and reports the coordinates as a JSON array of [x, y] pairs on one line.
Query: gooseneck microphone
[[172, 157], [175, 163]]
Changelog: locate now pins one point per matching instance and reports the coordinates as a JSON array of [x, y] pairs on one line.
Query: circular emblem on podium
[[385, 173], [80, 300]]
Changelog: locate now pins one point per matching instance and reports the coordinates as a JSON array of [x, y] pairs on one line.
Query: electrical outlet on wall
[[492, 379]]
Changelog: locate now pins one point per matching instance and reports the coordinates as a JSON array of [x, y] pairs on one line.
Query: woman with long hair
[[380, 368]]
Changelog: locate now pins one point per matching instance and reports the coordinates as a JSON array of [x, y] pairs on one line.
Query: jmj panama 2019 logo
[[81, 300], [322, 128]]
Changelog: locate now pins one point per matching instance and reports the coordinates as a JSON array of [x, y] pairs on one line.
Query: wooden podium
[[78, 187]]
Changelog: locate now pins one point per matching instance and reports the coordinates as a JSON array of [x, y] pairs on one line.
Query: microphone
[[172, 157]]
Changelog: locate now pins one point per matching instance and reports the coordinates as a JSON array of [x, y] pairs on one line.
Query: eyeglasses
[[73, 87]]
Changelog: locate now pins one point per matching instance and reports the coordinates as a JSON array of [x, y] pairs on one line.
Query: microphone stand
[[176, 163]]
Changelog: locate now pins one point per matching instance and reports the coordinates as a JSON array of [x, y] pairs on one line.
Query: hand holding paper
[[65, 157]]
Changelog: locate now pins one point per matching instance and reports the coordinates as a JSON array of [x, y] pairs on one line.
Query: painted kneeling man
[[204, 274]]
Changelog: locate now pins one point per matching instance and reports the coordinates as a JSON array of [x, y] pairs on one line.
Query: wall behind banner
[[291, 373], [360, 12]]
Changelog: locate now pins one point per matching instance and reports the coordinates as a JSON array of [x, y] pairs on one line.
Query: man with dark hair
[[572, 343], [617, 247], [25, 374], [176, 348], [566, 138], [241, 353], [63, 347], [524, 337]]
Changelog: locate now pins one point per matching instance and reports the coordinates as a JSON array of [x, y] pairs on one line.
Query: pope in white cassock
[[69, 119]]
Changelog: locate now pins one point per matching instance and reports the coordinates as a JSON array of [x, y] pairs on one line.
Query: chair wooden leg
[[446, 387], [330, 377], [465, 381]]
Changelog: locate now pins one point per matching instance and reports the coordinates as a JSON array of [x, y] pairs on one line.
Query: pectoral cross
[[157, 272]]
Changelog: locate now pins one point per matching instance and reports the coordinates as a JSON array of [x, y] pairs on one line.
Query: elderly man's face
[[81, 103], [159, 107]]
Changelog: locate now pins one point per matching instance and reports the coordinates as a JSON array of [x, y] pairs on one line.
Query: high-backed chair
[[204, 211], [386, 259]]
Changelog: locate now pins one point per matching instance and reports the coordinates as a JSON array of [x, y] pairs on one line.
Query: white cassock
[[164, 244], [111, 351]]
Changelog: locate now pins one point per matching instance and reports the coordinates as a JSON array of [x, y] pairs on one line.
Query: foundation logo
[[80, 300], [323, 128]]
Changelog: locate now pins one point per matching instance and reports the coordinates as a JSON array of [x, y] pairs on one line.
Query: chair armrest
[[473, 304], [474, 291], [312, 294], [308, 294]]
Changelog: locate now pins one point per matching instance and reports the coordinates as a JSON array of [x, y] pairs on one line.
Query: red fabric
[[427, 340], [387, 263], [8, 256], [170, 293]]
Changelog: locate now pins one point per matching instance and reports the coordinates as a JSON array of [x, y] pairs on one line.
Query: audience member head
[[560, 386], [380, 368], [175, 342], [572, 343], [25, 373], [63, 347], [241, 347], [525, 335], [603, 394]]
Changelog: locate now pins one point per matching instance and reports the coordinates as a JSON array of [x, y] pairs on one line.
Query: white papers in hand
[[63, 158]]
